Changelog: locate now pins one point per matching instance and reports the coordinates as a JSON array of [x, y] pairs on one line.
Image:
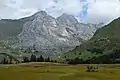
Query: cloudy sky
[[91, 11]]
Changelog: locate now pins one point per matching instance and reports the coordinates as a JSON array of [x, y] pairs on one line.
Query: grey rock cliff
[[51, 36]]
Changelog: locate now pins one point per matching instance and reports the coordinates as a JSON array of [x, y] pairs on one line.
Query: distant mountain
[[45, 34], [10, 28], [51, 36], [105, 42]]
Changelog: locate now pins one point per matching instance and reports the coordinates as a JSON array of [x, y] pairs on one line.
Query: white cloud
[[103, 10], [73, 7], [92, 11]]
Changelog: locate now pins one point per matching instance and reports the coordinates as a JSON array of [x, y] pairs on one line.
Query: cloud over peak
[[91, 11]]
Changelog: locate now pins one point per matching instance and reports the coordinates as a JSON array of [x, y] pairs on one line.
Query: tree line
[[6, 61], [34, 58], [112, 57]]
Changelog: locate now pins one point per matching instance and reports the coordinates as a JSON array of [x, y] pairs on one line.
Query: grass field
[[49, 71]]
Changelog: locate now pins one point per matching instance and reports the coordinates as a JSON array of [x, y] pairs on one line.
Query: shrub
[[92, 69]]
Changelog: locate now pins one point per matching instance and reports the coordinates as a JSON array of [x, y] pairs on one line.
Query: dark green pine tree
[[40, 59], [47, 60], [33, 58], [10, 61], [4, 61], [25, 59]]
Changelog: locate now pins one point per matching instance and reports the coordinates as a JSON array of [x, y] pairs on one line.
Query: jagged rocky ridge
[[49, 35]]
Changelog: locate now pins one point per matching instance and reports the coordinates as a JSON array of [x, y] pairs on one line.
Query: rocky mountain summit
[[49, 35]]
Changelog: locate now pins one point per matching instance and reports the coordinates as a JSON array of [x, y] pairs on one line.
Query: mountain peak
[[40, 16], [41, 12], [67, 19], [68, 16], [47, 34]]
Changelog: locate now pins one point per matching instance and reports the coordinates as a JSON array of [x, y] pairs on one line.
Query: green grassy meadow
[[50, 71]]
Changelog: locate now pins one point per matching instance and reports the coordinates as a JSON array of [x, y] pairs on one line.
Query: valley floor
[[50, 71]]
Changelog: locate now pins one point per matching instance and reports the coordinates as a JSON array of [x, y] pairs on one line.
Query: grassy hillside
[[106, 41]]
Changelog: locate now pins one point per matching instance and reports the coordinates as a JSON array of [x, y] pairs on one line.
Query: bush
[[92, 69], [26, 59]]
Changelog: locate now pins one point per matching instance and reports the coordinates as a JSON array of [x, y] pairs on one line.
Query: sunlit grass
[[45, 71]]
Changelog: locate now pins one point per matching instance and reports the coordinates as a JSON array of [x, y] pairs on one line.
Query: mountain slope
[[51, 36], [45, 34], [106, 41], [10, 28], [108, 36]]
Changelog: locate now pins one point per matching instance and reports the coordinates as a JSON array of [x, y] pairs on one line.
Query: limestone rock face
[[50, 35]]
